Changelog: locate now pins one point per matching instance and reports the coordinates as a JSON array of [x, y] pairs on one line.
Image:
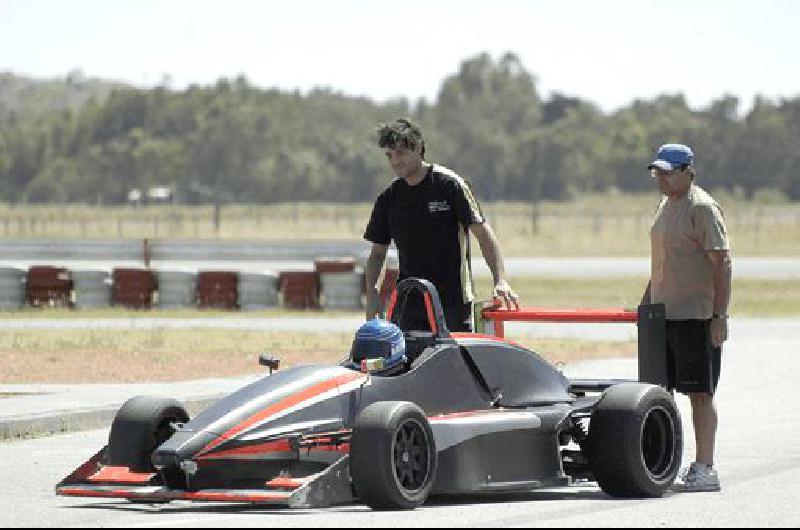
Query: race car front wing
[[331, 487]]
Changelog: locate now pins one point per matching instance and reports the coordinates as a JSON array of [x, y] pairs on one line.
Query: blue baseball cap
[[671, 156]]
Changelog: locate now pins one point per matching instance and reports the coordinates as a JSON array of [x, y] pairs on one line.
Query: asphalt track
[[758, 460]]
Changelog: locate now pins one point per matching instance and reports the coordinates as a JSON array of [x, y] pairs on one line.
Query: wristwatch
[[717, 316]]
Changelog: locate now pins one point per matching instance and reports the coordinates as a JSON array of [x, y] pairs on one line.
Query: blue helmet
[[379, 339]]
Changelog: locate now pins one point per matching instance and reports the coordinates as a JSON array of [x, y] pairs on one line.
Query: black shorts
[[693, 363]]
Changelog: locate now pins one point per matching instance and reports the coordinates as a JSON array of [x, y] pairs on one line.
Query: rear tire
[[140, 427], [635, 441], [393, 456]]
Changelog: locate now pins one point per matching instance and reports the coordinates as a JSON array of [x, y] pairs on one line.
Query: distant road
[[292, 255]]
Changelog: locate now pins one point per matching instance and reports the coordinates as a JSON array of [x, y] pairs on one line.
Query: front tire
[[393, 457], [140, 427], [635, 441]]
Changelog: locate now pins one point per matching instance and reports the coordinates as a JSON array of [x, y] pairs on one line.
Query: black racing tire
[[635, 441], [141, 425], [393, 457]]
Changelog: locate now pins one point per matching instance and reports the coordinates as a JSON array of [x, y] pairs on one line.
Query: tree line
[[235, 142]]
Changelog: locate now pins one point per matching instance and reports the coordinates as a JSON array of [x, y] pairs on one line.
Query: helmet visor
[[370, 349]]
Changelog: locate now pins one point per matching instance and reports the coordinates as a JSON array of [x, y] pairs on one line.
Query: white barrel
[[342, 290], [258, 291], [92, 288], [12, 288], [176, 289]]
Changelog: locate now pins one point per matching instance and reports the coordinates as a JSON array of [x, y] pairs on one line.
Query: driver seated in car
[[381, 342]]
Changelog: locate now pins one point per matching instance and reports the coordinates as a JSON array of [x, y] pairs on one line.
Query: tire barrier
[[218, 290], [334, 265], [258, 291], [92, 289], [300, 289], [49, 287], [12, 289], [134, 288], [334, 284], [176, 289], [342, 290]]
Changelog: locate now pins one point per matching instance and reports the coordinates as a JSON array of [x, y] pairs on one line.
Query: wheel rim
[[411, 456], [658, 443]]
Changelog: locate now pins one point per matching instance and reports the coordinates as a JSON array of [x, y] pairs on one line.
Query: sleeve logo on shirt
[[438, 206]]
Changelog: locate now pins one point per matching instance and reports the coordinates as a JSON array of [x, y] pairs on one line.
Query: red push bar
[[498, 316]]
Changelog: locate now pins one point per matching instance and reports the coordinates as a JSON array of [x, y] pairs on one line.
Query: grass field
[[596, 225], [169, 355], [751, 298]]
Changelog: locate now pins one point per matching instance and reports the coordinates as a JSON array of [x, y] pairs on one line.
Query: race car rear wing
[[650, 320]]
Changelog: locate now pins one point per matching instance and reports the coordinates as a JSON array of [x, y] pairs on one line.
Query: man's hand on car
[[504, 293]]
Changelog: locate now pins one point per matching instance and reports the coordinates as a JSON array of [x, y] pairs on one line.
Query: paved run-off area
[[758, 459]]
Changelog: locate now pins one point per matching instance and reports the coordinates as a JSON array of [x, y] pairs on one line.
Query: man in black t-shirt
[[428, 211]]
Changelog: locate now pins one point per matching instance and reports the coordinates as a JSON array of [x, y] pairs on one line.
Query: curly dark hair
[[401, 133]]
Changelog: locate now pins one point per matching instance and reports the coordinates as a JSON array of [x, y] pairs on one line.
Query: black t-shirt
[[428, 223]]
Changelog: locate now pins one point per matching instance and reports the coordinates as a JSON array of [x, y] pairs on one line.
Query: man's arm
[[722, 269], [490, 248], [377, 257]]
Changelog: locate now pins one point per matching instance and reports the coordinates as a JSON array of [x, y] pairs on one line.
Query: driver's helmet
[[379, 339]]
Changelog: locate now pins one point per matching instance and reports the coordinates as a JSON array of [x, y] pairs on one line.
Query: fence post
[[146, 253]]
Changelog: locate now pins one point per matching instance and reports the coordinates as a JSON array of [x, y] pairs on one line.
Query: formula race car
[[410, 414]]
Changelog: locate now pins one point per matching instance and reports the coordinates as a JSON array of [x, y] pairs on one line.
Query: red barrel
[[218, 290], [300, 289], [134, 288], [334, 265], [49, 286]]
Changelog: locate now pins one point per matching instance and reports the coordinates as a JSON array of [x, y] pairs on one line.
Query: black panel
[[517, 377], [653, 345], [515, 456]]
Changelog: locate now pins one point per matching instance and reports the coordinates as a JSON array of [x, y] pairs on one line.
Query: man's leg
[[704, 418], [697, 376]]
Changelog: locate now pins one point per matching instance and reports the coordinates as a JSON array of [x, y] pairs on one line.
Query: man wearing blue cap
[[691, 276]]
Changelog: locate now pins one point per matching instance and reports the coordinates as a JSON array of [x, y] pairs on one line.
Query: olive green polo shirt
[[683, 231]]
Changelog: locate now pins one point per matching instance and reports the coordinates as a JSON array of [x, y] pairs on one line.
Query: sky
[[608, 52]]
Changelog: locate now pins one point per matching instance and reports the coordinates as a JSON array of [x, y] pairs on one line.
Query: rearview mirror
[[270, 362]]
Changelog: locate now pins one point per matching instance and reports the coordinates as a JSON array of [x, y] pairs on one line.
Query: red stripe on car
[[280, 446], [481, 336], [291, 401], [431, 315], [121, 475]]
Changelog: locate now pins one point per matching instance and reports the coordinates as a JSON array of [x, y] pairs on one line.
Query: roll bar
[[433, 305]]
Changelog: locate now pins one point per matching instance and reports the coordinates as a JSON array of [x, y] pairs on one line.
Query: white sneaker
[[697, 478]]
